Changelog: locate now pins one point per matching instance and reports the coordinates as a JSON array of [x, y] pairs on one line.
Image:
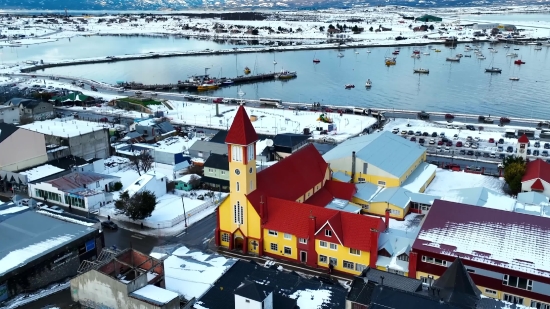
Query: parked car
[[545, 153], [411, 132], [485, 154], [434, 134], [449, 143], [491, 140], [459, 144], [432, 141], [462, 152], [536, 152], [546, 145], [413, 139], [109, 225], [395, 130], [418, 133], [500, 149], [442, 134], [509, 149], [528, 152], [537, 145], [425, 134], [440, 142], [501, 141], [421, 141], [217, 100], [470, 152]]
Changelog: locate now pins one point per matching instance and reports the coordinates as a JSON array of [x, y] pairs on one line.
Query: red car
[[440, 142], [449, 116], [491, 140], [459, 144], [218, 100]]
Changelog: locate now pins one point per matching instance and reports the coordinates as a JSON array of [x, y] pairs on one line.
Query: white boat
[[459, 55], [481, 57], [368, 51], [514, 78], [368, 84], [422, 71], [493, 70], [532, 43], [340, 55], [426, 53], [454, 59], [494, 51], [357, 53], [415, 56], [538, 48], [506, 46], [512, 55]]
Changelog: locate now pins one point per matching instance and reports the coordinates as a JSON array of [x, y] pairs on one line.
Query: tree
[[195, 169], [322, 29], [137, 207], [117, 186], [330, 26], [513, 173], [142, 162], [431, 27], [194, 181], [371, 29], [255, 32]]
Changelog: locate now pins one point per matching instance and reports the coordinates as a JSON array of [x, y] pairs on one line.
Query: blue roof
[[366, 191], [419, 177], [389, 152], [9, 210], [481, 196], [533, 198], [423, 198], [343, 205], [340, 176], [396, 196]]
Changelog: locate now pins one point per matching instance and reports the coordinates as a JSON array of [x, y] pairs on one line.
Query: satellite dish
[[183, 149], [269, 142]]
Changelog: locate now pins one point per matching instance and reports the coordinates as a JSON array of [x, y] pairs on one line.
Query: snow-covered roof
[[340, 176], [154, 294], [398, 239], [481, 196], [487, 236], [173, 144], [343, 205], [187, 178], [41, 172], [63, 127], [419, 177]]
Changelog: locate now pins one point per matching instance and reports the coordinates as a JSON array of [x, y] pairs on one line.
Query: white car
[[449, 126], [467, 144], [447, 149], [395, 130], [456, 126], [204, 99], [477, 139], [432, 141], [474, 146]]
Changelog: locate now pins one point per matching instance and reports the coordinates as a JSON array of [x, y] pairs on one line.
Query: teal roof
[[389, 152], [366, 191], [396, 196], [340, 176], [533, 198]]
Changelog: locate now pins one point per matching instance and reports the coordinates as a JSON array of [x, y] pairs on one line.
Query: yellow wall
[[382, 268], [281, 243], [379, 208], [341, 254], [412, 168]]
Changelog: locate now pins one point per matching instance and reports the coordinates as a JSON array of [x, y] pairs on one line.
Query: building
[[73, 98], [152, 128], [381, 158], [429, 18], [491, 26], [286, 144], [84, 190], [187, 183], [9, 114], [537, 177], [282, 210], [123, 280], [26, 148], [504, 252], [216, 172], [151, 181], [33, 109], [36, 250], [204, 149], [172, 150], [83, 138]]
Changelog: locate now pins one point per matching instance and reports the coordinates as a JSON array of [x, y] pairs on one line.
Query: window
[[272, 233], [287, 236], [364, 206], [273, 247], [492, 292], [250, 151], [210, 170], [97, 184], [221, 172], [236, 154], [302, 240], [403, 257], [360, 267], [513, 299], [395, 212], [333, 261], [288, 250], [328, 233], [333, 246], [397, 272], [361, 180], [323, 259], [238, 187], [238, 215], [323, 244], [539, 305], [381, 183], [225, 237], [365, 168], [517, 282], [348, 265], [354, 251], [431, 260], [251, 185]]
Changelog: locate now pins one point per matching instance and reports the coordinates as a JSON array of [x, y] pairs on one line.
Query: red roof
[[341, 190], [293, 218], [242, 131], [523, 139], [291, 177], [537, 169], [537, 185], [320, 198]]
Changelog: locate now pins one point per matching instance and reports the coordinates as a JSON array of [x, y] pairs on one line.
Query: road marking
[[138, 236], [182, 233]]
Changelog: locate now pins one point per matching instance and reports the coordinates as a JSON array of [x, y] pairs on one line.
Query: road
[[197, 235]]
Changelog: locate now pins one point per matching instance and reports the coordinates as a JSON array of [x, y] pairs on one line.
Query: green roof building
[[428, 18]]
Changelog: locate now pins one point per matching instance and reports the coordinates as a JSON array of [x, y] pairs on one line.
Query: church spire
[[242, 131]]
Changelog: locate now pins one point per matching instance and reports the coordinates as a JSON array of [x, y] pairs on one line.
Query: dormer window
[[328, 233]]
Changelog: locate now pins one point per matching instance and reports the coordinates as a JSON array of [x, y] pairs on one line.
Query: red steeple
[[523, 139], [242, 131]]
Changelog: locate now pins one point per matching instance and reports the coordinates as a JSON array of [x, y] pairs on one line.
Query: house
[[151, 128], [216, 172], [36, 110], [203, 149], [151, 181], [504, 252], [286, 144], [185, 182], [281, 210], [84, 190], [381, 158], [537, 177], [26, 148], [9, 114], [123, 279]]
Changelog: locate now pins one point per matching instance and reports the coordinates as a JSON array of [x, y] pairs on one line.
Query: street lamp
[[184, 214]]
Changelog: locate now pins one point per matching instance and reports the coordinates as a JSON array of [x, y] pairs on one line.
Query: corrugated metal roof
[[385, 150], [341, 177], [77, 180], [481, 196], [396, 196], [423, 198], [366, 191], [532, 198], [205, 146]]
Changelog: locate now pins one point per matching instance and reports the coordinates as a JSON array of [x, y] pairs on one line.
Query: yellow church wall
[[379, 208], [281, 243], [253, 226], [342, 253]]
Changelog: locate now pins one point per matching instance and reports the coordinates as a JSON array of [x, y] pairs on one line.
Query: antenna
[[269, 142]]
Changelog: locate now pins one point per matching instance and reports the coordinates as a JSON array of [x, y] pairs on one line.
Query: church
[[293, 210]]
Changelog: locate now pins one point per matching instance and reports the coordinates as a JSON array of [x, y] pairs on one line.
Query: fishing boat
[[422, 71], [519, 62], [417, 56], [286, 74], [514, 78], [368, 84], [493, 70], [438, 50], [390, 61], [349, 86], [426, 53], [340, 55], [246, 70], [416, 51], [453, 59], [316, 60]]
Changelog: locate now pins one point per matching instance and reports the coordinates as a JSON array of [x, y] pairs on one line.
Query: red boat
[[396, 52], [519, 62], [416, 52], [316, 60]]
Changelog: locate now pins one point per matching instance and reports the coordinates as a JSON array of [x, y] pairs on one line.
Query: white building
[[251, 295], [9, 114], [84, 190], [537, 177], [150, 181]]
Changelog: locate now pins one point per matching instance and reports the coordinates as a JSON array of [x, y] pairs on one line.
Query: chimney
[[312, 222], [387, 221], [381, 280], [352, 166]]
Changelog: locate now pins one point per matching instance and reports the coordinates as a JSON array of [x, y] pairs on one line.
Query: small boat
[[453, 59], [340, 55], [246, 70], [417, 56], [396, 52], [422, 71], [357, 53], [426, 53], [227, 82], [416, 51], [516, 48], [368, 51], [316, 60], [286, 75], [274, 62], [481, 57], [459, 55], [538, 48], [349, 86], [514, 78], [438, 50], [519, 62], [511, 55], [390, 61], [368, 84], [493, 70], [506, 46], [469, 56]]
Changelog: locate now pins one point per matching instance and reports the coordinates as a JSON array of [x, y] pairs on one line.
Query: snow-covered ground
[[447, 180]]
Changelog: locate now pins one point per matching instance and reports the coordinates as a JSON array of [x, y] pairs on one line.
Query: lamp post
[[184, 214]]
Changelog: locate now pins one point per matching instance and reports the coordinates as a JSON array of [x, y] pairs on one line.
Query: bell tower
[[241, 143], [523, 143]]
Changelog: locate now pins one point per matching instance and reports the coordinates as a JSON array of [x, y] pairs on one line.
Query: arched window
[[238, 213]]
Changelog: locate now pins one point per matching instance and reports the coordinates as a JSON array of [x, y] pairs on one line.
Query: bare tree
[[134, 163], [194, 181], [25, 120], [142, 162]]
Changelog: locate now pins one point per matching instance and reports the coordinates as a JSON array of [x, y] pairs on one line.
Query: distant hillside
[[129, 5]]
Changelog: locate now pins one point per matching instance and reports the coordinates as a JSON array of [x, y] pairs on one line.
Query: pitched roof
[[456, 286], [6, 129], [254, 291], [360, 291], [384, 297], [242, 131], [392, 280], [523, 139], [391, 153], [289, 139], [341, 190], [294, 176], [487, 236], [76, 180], [537, 185], [219, 161], [293, 218], [537, 169]]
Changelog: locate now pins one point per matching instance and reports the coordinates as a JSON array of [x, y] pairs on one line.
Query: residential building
[[185, 182], [9, 114], [152, 128], [283, 211], [504, 252], [84, 190], [20, 148], [171, 150], [537, 177], [73, 98], [58, 247], [286, 144], [203, 149], [84, 139], [216, 171], [151, 181], [34, 109], [381, 158], [123, 280]]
